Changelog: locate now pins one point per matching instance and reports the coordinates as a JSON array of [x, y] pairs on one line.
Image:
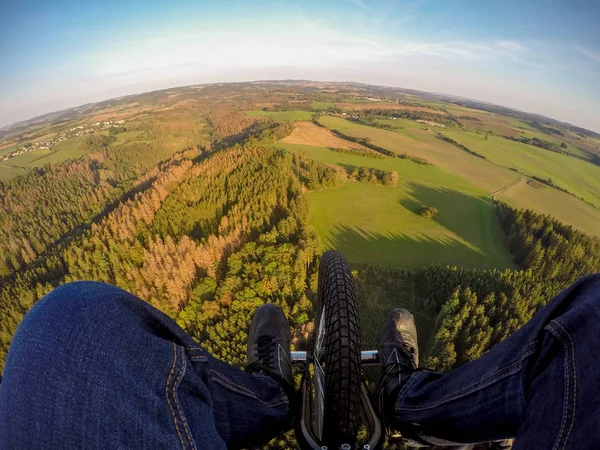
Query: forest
[[208, 237], [206, 240]]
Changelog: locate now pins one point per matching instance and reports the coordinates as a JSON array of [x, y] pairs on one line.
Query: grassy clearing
[[129, 136], [72, 144], [58, 157], [415, 141], [9, 172], [402, 124], [283, 116], [577, 176], [374, 224]]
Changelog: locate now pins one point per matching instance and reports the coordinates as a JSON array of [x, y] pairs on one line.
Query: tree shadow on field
[[361, 246], [460, 213]]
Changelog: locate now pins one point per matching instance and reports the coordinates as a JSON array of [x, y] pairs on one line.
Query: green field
[[489, 174], [565, 207], [402, 124], [415, 141], [6, 150], [557, 140], [380, 225], [68, 149], [322, 105], [9, 172], [576, 176], [27, 159], [283, 116]]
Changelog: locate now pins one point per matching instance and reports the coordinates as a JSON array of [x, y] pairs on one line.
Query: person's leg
[[92, 366], [540, 384]]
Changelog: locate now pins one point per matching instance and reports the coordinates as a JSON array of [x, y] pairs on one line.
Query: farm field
[[27, 159], [402, 124], [565, 207], [322, 105], [576, 176], [377, 224], [384, 105], [424, 144], [62, 151], [484, 173], [9, 172], [572, 149], [307, 133], [282, 116]]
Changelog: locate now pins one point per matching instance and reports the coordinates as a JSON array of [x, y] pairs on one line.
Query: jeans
[[540, 385], [92, 366]]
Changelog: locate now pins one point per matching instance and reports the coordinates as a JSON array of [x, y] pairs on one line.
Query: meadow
[[62, 151], [573, 174], [418, 142], [9, 172], [546, 200], [282, 116], [27, 159], [322, 105], [494, 173], [374, 224]]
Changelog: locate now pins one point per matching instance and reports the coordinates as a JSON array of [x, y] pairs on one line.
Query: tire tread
[[341, 350]]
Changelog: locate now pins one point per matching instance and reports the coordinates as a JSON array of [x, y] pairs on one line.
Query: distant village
[[429, 122], [62, 136]]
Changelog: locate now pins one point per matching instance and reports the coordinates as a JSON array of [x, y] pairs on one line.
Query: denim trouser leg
[[92, 366], [542, 384]]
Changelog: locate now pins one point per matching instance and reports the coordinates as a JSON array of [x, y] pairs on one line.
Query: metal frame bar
[[367, 357]]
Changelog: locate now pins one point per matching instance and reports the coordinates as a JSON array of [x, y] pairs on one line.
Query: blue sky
[[538, 56]]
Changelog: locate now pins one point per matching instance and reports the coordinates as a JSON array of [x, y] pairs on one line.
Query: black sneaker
[[269, 347], [399, 357]]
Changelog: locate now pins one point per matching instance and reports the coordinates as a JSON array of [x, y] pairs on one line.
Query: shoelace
[[393, 367], [408, 350], [265, 350]]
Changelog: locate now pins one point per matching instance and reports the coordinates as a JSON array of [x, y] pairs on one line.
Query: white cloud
[[360, 3], [590, 54]]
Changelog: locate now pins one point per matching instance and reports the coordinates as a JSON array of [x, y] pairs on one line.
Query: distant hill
[[71, 113]]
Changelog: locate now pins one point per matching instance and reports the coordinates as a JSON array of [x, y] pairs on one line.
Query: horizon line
[[2, 128]]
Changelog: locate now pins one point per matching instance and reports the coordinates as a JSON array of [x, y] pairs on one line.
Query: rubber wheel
[[338, 346]]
